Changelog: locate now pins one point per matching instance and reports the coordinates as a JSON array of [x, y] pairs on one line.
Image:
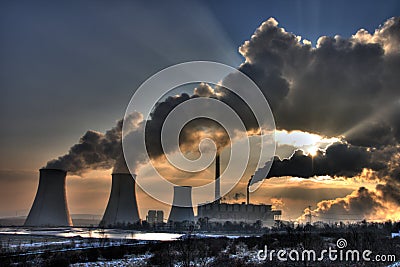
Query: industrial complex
[[244, 212], [248, 213], [50, 205]]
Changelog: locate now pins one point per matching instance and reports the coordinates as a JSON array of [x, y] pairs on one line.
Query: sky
[[67, 68]]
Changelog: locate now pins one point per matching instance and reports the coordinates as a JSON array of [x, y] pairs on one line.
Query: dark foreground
[[204, 250]]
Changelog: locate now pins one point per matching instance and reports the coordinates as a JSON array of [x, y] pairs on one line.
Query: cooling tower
[[182, 208], [122, 207], [50, 205]]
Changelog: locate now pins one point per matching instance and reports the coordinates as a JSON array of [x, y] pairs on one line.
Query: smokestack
[[217, 180], [122, 207], [248, 190], [182, 208], [50, 205]]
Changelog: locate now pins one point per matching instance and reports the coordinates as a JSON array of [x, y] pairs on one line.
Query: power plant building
[[155, 216], [151, 217], [248, 213], [160, 216], [245, 212]]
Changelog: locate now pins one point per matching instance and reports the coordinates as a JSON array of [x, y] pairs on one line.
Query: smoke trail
[[97, 150]]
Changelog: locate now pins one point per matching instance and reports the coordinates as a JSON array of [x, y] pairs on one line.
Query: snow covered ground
[[129, 260]]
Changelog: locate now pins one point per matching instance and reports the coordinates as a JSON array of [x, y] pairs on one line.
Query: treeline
[[242, 227]]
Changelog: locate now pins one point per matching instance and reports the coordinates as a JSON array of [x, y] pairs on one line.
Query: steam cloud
[[94, 151], [361, 204], [97, 150], [104, 151]]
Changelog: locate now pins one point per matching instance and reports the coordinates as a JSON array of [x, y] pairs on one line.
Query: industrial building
[[245, 212], [50, 206], [155, 217], [248, 213]]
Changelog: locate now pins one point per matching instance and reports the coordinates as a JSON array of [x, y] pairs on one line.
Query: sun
[[312, 151]]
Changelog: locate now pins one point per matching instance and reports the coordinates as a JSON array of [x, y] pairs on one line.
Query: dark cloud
[[361, 204], [339, 159], [390, 191], [197, 129], [373, 134], [300, 193], [332, 88], [192, 133], [390, 156], [344, 87], [389, 188]]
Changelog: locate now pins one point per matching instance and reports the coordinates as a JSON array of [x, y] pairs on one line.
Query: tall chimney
[[122, 206], [217, 180], [248, 190], [50, 206], [182, 208]]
